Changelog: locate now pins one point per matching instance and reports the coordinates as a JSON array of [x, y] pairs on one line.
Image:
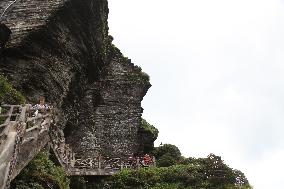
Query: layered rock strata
[[61, 50]]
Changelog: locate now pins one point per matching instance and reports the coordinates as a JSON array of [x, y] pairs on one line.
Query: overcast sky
[[216, 67]]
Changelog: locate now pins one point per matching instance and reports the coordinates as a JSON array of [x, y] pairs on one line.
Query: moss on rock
[[150, 128], [147, 135], [8, 94]]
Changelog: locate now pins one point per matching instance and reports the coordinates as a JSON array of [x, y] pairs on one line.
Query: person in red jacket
[[147, 160]]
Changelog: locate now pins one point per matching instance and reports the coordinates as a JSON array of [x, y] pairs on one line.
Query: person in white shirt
[[41, 107]]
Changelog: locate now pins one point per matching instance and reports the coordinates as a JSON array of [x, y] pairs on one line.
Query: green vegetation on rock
[[150, 128], [147, 136], [167, 155], [41, 173], [139, 78], [8, 94]]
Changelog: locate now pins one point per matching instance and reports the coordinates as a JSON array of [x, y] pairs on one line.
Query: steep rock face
[[114, 103], [61, 50]]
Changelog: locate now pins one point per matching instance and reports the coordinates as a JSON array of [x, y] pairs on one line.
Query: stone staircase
[[21, 138]]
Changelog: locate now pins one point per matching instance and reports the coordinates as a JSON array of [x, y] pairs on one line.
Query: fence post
[[99, 162], [121, 164], [154, 161], [138, 162]]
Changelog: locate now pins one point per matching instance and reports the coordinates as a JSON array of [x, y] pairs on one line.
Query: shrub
[[150, 128], [167, 155], [41, 173], [174, 177], [8, 94], [166, 160]]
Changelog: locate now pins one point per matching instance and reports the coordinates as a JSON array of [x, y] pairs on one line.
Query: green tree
[[240, 177], [166, 161], [167, 155], [217, 171]]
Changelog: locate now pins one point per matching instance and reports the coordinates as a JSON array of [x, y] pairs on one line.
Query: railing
[[8, 114], [16, 128], [12, 129], [73, 162], [27, 126], [113, 163]]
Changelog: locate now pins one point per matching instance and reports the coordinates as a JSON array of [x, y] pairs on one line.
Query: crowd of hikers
[[144, 161]]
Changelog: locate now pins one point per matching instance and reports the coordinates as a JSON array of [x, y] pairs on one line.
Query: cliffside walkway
[[23, 135]]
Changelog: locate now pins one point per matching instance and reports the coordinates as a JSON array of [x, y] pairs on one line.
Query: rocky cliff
[[61, 49]]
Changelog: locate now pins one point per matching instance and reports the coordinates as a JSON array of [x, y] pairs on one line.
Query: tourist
[[147, 160], [132, 160], [41, 107]]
